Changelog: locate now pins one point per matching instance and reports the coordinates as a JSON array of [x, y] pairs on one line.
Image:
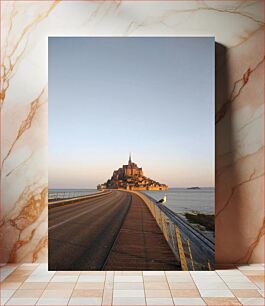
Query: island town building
[[131, 177]]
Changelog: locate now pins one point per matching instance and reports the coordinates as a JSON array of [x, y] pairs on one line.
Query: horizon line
[[140, 190]]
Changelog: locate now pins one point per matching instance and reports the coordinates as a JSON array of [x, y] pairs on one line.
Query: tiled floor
[[33, 284]]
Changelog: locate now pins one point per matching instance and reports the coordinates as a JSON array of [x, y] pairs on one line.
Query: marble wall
[[238, 27]]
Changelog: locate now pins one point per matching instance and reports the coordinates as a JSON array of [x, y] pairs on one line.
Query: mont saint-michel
[[131, 177]]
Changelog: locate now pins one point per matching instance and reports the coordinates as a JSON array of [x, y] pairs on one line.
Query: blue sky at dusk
[[153, 97]]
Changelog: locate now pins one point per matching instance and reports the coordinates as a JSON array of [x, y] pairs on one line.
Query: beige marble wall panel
[[238, 28]]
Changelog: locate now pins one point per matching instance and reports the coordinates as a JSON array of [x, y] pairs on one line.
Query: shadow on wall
[[225, 150], [223, 143], [223, 137]]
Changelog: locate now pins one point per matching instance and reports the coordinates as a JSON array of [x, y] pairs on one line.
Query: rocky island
[[131, 177]]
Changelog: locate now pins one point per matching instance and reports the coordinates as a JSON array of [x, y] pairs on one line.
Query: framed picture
[[131, 153]]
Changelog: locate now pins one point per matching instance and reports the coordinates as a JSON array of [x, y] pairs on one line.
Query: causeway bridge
[[123, 230]]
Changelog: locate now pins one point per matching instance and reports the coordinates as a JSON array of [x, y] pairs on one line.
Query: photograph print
[[131, 153]]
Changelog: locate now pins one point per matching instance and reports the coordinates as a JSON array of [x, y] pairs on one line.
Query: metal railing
[[56, 196], [194, 250]]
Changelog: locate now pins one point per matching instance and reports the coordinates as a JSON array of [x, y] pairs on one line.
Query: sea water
[[182, 200], [70, 192]]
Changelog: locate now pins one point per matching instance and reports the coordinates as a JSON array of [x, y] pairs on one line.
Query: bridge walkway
[[140, 243]]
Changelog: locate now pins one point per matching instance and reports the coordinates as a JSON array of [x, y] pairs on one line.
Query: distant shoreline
[[90, 188]]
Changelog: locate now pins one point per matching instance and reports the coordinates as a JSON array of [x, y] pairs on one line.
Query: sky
[[151, 96]]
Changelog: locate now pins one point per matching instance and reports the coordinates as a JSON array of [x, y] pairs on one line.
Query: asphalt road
[[81, 235]]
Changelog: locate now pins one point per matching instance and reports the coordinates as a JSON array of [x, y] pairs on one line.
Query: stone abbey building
[[131, 177]]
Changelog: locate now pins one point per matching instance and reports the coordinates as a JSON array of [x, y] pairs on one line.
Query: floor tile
[[154, 278], [128, 301], [22, 301], [188, 301], [107, 297], [251, 301], [39, 278], [241, 285], [157, 293], [28, 293], [256, 278], [110, 274], [56, 294], [89, 285], [182, 293], [261, 292], [87, 293], [3, 300], [100, 273], [159, 301], [20, 271], [253, 272], [147, 273], [232, 272], [108, 285], [129, 286], [85, 301], [7, 293], [60, 286], [91, 278], [156, 285], [128, 273], [43, 266], [53, 301], [6, 271], [246, 293], [128, 279], [182, 286], [215, 301], [211, 285], [16, 278], [179, 279], [260, 285], [10, 286], [205, 274], [64, 279], [211, 278], [68, 273], [177, 273], [43, 270], [128, 293], [216, 293], [235, 278], [33, 286]]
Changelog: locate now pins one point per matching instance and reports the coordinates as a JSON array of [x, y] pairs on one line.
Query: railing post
[[164, 229], [182, 256], [160, 217], [191, 259]]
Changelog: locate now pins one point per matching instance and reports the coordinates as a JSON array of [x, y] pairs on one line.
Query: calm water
[[70, 192], [183, 200]]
